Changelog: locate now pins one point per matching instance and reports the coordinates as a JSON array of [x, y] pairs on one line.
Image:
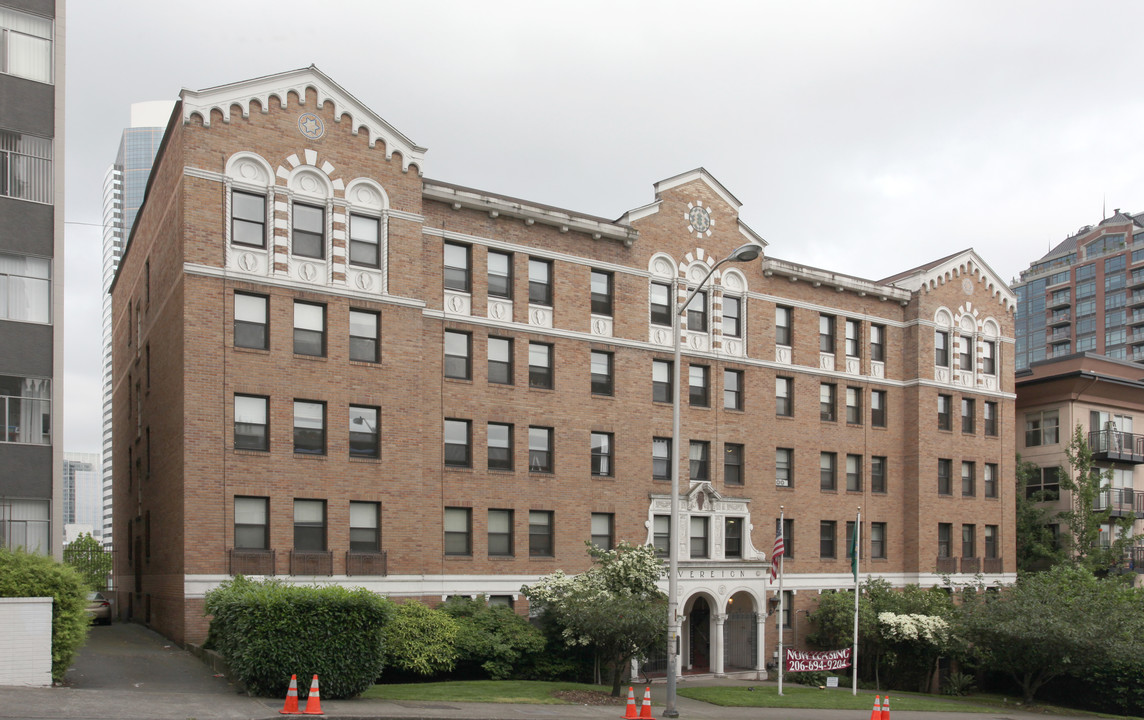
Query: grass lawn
[[799, 696], [491, 691]]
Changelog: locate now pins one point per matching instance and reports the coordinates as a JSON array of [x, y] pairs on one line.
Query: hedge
[[28, 575], [268, 630]]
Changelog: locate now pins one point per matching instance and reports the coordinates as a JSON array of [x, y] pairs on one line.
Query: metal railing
[[367, 563], [971, 565], [244, 561], [1117, 445], [991, 565], [311, 562], [946, 564], [1121, 501]]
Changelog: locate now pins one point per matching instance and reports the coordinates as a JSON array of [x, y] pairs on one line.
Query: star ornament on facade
[[699, 220], [311, 126]]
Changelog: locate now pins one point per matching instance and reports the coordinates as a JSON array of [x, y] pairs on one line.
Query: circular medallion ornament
[[311, 126], [699, 220], [247, 262], [967, 286], [308, 272]]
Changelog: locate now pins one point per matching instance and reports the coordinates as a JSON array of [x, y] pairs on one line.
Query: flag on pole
[[854, 553], [777, 552]]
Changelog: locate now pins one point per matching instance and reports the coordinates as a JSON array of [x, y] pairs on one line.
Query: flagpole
[[857, 553], [782, 660]]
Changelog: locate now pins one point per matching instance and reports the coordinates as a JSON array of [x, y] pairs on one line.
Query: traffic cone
[[313, 701], [645, 708], [632, 713], [291, 707], [886, 708], [876, 713]]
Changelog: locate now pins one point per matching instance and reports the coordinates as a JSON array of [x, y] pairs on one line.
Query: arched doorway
[[740, 633], [699, 635]]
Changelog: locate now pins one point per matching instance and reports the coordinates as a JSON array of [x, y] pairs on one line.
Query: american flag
[[777, 552]]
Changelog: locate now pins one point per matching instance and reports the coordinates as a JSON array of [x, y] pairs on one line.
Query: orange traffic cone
[[291, 707], [645, 708], [876, 713], [886, 708], [313, 701], [632, 713]]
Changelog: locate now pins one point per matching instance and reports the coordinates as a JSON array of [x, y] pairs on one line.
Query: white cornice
[[223, 97], [698, 174], [495, 206], [218, 273], [966, 264], [817, 277]]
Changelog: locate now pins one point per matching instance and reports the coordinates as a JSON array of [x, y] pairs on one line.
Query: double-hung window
[[604, 530], [540, 365], [309, 427], [968, 416], [968, 541], [733, 389], [784, 467], [878, 540], [540, 450], [827, 532], [733, 537], [457, 268], [365, 241], [826, 409], [500, 360], [941, 348], [944, 539], [601, 372], [783, 332], [500, 446], [500, 532], [457, 437], [364, 331], [251, 321], [878, 474], [853, 339], [310, 525], [878, 408], [989, 357], [784, 396], [697, 384], [365, 433], [309, 329], [826, 333], [540, 282], [699, 527], [251, 424], [699, 454], [697, 313], [827, 471], [944, 476], [990, 480], [458, 355], [602, 454], [732, 464], [968, 479], [601, 291], [252, 523], [944, 412], [458, 531], [661, 458], [732, 316], [990, 409], [309, 238], [248, 219], [541, 533], [661, 379], [854, 405], [661, 534], [660, 304], [878, 343], [965, 351], [365, 524], [854, 473], [500, 274]]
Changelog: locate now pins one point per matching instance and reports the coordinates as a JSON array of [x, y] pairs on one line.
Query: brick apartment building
[[331, 368]]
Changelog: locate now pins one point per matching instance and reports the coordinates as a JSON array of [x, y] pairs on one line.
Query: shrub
[[268, 630], [421, 640], [492, 638], [27, 575], [958, 684], [815, 678]]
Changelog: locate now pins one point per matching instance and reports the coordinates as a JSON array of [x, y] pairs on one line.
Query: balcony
[[1059, 300], [1136, 336], [311, 562], [1120, 502], [367, 563], [970, 565], [1136, 298], [946, 565], [243, 561], [1136, 318], [1060, 334], [1116, 446], [1136, 278], [1063, 317], [992, 566]]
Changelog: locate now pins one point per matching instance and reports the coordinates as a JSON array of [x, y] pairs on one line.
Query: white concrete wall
[[26, 643]]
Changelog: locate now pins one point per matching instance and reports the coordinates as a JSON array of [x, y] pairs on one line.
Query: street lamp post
[[744, 253]]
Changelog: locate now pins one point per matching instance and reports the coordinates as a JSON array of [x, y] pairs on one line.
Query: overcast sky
[[865, 137]]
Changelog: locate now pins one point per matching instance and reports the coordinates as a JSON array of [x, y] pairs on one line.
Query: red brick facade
[[176, 509]]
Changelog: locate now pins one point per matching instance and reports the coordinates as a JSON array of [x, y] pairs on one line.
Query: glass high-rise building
[[1085, 295], [123, 189]]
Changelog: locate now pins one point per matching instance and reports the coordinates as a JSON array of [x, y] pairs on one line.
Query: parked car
[[98, 608]]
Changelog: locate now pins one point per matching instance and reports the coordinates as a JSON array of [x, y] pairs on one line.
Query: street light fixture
[[743, 253]]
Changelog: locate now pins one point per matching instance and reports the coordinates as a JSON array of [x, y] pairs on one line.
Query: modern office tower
[[1085, 295], [331, 368], [83, 495], [123, 190], [31, 272]]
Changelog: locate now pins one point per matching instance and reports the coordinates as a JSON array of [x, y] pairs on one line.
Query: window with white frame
[[25, 288], [25, 45], [25, 165], [365, 241], [251, 428], [309, 233], [248, 219], [732, 316], [252, 523], [26, 404], [365, 524]]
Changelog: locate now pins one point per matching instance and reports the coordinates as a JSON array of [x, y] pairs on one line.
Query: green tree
[[29, 575], [1060, 621], [1037, 546], [614, 607], [420, 639], [1085, 483], [492, 638], [90, 560]]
